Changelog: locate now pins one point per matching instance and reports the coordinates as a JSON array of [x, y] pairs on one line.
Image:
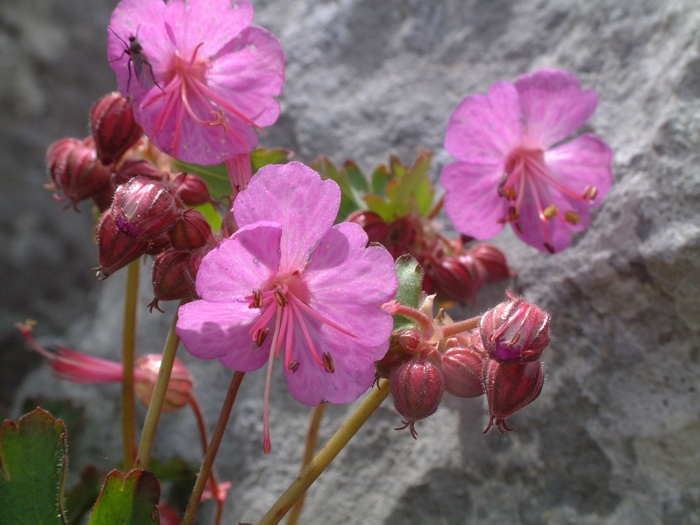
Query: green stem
[[311, 440], [155, 407], [212, 449], [128, 362], [317, 465], [455, 328]]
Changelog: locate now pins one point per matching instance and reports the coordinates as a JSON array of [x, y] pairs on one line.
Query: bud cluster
[[496, 354], [452, 271]]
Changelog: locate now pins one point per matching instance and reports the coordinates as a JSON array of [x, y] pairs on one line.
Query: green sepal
[[410, 275], [350, 186], [263, 156], [130, 499], [33, 461]]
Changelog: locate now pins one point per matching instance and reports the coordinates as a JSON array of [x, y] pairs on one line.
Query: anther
[[549, 247], [550, 211], [509, 193], [572, 217], [281, 299], [261, 335], [328, 363], [513, 214], [220, 119], [293, 366], [590, 192], [257, 299], [501, 184], [519, 227]]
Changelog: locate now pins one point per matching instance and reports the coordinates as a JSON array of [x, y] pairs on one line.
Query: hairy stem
[[212, 449], [128, 361], [327, 454], [311, 440], [155, 407]]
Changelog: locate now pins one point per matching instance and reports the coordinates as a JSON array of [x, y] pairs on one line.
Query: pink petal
[[214, 22], [554, 104], [249, 73], [484, 129], [536, 233], [221, 330], [584, 161], [240, 264], [472, 202], [294, 196]]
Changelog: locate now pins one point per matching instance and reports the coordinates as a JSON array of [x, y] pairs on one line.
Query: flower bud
[[400, 237], [453, 280], [395, 356], [228, 223], [179, 387], [174, 274], [191, 189], [510, 387], [462, 369], [493, 260], [410, 341], [144, 208], [131, 168], [159, 244], [113, 127], [115, 249], [417, 387], [191, 231], [75, 170], [515, 331], [374, 226]]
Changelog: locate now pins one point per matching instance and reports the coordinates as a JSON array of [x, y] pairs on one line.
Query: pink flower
[[290, 280], [513, 167], [202, 78]]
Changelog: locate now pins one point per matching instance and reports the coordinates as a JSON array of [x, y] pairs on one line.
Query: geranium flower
[[290, 284], [202, 78], [512, 167]]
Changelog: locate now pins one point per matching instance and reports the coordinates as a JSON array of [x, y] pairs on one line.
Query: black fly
[[137, 56]]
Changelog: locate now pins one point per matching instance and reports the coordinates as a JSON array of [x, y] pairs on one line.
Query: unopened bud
[[113, 127], [410, 341], [228, 223], [400, 237], [131, 168], [115, 248], [174, 274], [417, 387], [453, 280], [144, 208], [510, 387], [462, 369], [515, 331], [180, 385], [374, 226], [191, 231], [493, 260], [191, 189]]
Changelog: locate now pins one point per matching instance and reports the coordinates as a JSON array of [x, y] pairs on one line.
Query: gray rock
[[613, 437]]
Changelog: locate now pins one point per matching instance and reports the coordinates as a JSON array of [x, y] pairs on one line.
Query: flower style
[[512, 167], [288, 279], [214, 75]]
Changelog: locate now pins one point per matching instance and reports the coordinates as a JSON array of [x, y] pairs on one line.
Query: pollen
[[550, 211], [572, 217]]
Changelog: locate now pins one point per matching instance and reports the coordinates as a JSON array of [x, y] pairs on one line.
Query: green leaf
[[33, 460], [262, 157], [177, 478], [349, 199], [128, 500], [380, 178], [410, 275], [356, 178], [215, 176], [82, 496]]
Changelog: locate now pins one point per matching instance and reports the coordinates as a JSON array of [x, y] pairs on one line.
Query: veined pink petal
[[554, 104], [472, 201], [584, 161], [537, 233], [221, 330], [294, 196], [483, 129], [240, 264]]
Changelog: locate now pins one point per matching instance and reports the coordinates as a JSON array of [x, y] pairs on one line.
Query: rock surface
[[613, 438]]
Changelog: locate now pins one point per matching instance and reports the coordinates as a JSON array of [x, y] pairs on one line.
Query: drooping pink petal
[[584, 161], [472, 201], [294, 196], [554, 105], [534, 231], [483, 129]]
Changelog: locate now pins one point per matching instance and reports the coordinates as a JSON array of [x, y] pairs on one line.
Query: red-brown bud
[[113, 127], [180, 385], [453, 280], [228, 223], [191, 189], [131, 168], [400, 237], [462, 369], [191, 231], [144, 208], [115, 249], [75, 170], [374, 226], [410, 341], [174, 274], [158, 245], [515, 331], [417, 387], [494, 262], [510, 387]]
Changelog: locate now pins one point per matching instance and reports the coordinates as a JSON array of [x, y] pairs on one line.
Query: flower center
[[526, 170]]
